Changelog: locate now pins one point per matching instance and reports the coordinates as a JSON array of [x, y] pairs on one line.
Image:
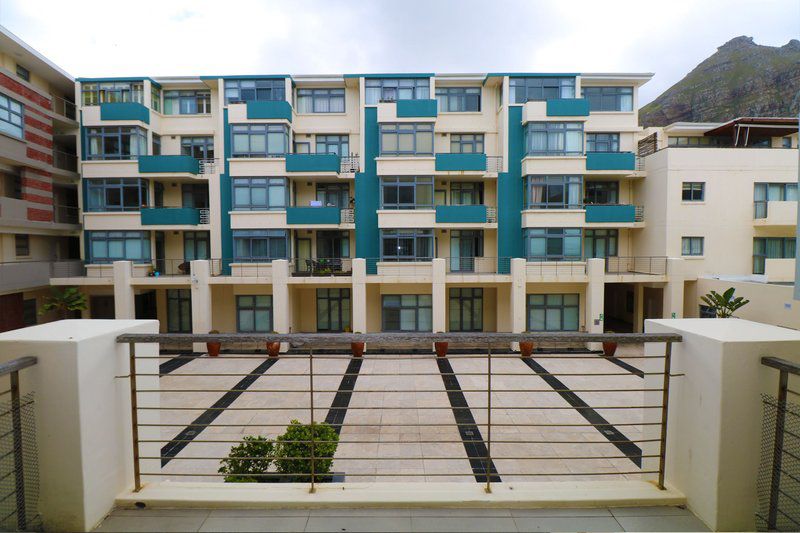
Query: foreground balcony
[[168, 164], [610, 161], [775, 214]]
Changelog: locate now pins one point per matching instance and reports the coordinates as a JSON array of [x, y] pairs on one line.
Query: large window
[[693, 191], [22, 245], [692, 246], [600, 242], [407, 312], [602, 142], [554, 192], [392, 89], [554, 138], [601, 192], [116, 194], [195, 245], [110, 246], [334, 194], [260, 245], [333, 310], [609, 98], [553, 244], [187, 102], [260, 140], [320, 100], [553, 312], [112, 91], [255, 90], [260, 194], [542, 88], [771, 248], [466, 193], [697, 142], [179, 310], [333, 144], [254, 313], [466, 309], [116, 142], [11, 116], [155, 97], [772, 192], [412, 244], [198, 147], [407, 192], [406, 139], [466, 143], [458, 99]]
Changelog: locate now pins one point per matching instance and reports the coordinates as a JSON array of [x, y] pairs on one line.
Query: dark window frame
[[251, 238], [548, 304], [459, 99], [265, 304], [401, 302]]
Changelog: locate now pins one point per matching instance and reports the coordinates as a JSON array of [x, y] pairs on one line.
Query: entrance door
[[333, 310], [466, 309], [102, 307], [179, 310], [160, 263], [303, 258], [465, 246], [332, 247], [600, 243], [145, 304]]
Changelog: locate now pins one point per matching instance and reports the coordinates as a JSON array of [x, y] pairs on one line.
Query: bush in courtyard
[[293, 450], [248, 459], [724, 304]]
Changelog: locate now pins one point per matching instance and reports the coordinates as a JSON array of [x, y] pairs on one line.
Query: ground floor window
[[333, 310], [600, 243], [407, 312], [466, 309], [29, 312], [707, 312], [553, 312], [179, 310], [553, 244], [254, 314]]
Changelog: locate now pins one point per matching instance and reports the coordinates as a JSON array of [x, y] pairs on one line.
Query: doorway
[[465, 246]]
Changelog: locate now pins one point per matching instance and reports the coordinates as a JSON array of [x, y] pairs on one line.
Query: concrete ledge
[[385, 494]]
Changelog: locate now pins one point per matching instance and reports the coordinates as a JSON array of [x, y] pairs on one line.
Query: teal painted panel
[[610, 213], [168, 163], [416, 108], [509, 195], [368, 195], [446, 162], [312, 163], [568, 107], [225, 201], [461, 214], [274, 109], [124, 111], [391, 76], [168, 216], [610, 161], [312, 215]]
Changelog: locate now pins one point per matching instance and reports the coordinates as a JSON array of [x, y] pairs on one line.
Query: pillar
[[438, 295], [281, 304], [358, 295], [595, 298], [124, 299], [673, 292], [201, 300], [518, 295]]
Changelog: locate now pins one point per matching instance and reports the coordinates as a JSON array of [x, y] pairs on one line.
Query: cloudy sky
[[191, 37]]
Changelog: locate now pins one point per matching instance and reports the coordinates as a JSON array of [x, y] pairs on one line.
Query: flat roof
[[774, 126], [36, 62]]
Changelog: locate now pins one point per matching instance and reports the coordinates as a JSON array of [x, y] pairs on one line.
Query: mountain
[[741, 78]]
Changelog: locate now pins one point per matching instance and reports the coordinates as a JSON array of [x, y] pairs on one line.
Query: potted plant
[[441, 347], [357, 347], [273, 348], [609, 347], [526, 348], [248, 462], [293, 451], [213, 347]]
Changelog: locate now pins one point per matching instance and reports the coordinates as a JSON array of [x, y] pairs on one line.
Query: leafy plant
[[65, 301], [247, 460], [724, 304], [293, 450]]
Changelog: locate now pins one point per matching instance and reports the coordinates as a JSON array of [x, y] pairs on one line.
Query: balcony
[[644, 265], [313, 216], [27, 275], [616, 213], [568, 107], [173, 216], [318, 267], [779, 270], [417, 108], [124, 111], [162, 164], [462, 214], [610, 161], [461, 162], [63, 108], [269, 110], [775, 214], [313, 163], [65, 161]]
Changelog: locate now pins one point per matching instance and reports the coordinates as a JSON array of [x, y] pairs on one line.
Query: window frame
[[12, 109], [605, 139], [403, 302], [191, 239], [570, 185], [22, 245], [135, 135], [339, 295], [253, 235], [476, 141], [205, 142], [102, 92], [608, 98], [593, 189], [114, 236], [274, 88], [327, 94], [400, 183], [460, 295], [415, 236], [788, 247], [692, 250], [523, 89], [183, 301], [327, 141], [266, 305], [103, 185], [458, 99], [553, 234], [259, 130], [388, 89], [531, 305], [266, 183], [693, 188], [23, 73], [414, 129], [197, 102], [552, 132]]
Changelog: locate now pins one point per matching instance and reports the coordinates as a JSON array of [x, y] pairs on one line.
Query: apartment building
[[39, 180]]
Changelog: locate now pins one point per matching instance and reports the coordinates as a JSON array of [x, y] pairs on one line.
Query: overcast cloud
[[193, 37]]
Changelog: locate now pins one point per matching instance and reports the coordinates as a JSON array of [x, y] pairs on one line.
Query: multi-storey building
[[39, 224]]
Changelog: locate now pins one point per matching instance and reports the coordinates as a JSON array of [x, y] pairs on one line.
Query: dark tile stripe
[[631, 450], [175, 363], [341, 401], [622, 364], [468, 429], [190, 432]]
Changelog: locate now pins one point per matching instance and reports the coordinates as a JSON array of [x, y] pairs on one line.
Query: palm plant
[[724, 304], [65, 301]]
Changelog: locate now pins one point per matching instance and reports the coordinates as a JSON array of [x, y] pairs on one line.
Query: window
[[195, 245], [771, 248], [602, 142], [116, 142], [698, 142], [466, 309], [23, 74], [466, 193], [333, 309], [156, 144], [260, 245], [609, 98], [22, 245], [110, 246], [112, 91], [29, 313], [554, 138], [540, 89], [772, 192], [194, 195], [407, 192], [458, 99], [407, 312], [179, 310], [786, 142], [600, 242], [601, 192], [255, 90], [392, 89], [692, 246], [11, 116], [554, 192], [320, 100], [254, 314], [693, 191], [260, 140], [553, 244], [406, 139], [334, 194], [155, 97], [553, 312], [333, 144], [116, 194], [407, 244], [198, 147], [466, 143], [257, 194], [187, 102]]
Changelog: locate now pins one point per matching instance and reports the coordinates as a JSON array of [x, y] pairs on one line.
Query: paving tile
[[558, 512], [462, 524], [361, 512], [225, 513], [564, 523], [255, 524], [144, 524], [650, 511], [661, 523], [476, 512], [155, 511], [364, 524]]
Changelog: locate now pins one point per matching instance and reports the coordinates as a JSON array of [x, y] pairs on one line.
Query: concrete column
[[358, 296], [638, 308], [439, 296], [124, 299], [201, 300], [517, 300], [673, 292], [595, 298], [281, 304]]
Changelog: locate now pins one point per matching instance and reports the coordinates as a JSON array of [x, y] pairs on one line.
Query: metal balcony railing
[[205, 216], [209, 166], [638, 215], [63, 107], [478, 265], [347, 216], [544, 267], [65, 160], [650, 265], [349, 164], [494, 163], [491, 214], [66, 214], [333, 266]]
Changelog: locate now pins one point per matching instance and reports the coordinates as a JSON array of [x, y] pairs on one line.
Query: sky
[[92, 38]]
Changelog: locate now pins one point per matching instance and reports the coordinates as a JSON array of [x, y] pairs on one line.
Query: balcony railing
[[65, 160], [349, 164], [478, 265], [66, 214], [63, 107], [209, 166], [20, 275], [620, 213], [332, 266], [347, 216], [494, 163], [543, 268], [655, 266]]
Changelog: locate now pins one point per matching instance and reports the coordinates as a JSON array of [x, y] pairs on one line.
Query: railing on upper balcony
[[491, 214], [63, 107], [639, 163], [494, 163], [238, 267], [209, 166], [66, 214], [321, 266], [349, 164], [638, 214], [545, 267], [347, 216], [650, 265], [478, 265], [205, 215], [65, 160]]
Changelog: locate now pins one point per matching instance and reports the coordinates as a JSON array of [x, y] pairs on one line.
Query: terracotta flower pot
[[441, 349], [213, 348], [357, 348], [273, 349], [609, 348], [526, 348]]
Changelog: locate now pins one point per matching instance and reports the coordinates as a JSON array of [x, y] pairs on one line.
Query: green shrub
[[296, 443], [238, 469]]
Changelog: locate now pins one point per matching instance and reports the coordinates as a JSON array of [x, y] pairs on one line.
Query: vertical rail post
[[313, 488], [777, 452], [488, 468], [662, 454], [19, 465], [137, 478]]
